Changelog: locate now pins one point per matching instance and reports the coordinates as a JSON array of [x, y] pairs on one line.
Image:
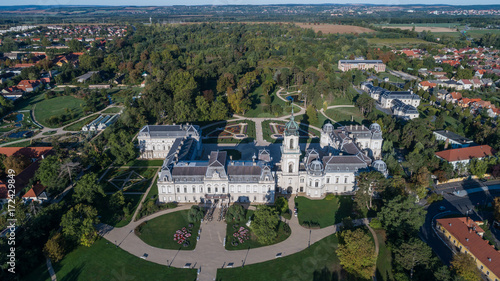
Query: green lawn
[[252, 242], [344, 114], [318, 262], [56, 107], [145, 163], [159, 232], [19, 144], [103, 261], [112, 110], [384, 260], [323, 212], [257, 107], [391, 77], [78, 125], [49, 133], [250, 133], [116, 177]]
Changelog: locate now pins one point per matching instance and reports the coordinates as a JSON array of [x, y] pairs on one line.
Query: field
[[103, 261], [397, 42], [335, 28], [56, 107], [422, 27]]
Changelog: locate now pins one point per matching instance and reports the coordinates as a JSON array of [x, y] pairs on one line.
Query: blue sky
[[232, 2]]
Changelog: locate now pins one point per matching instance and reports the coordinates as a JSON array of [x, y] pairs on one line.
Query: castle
[[331, 168]]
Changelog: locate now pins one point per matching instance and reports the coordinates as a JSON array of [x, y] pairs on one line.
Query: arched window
[[290, 168], [316, 183], [291, 143]]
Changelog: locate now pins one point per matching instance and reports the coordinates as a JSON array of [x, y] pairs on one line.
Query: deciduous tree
[[465, 267], [357, 253], [265, 223]]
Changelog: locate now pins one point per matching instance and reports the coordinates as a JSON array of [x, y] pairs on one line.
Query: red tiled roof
[[30, 152], [456, 95], [460, 228], [428, 84], [36, 190], [457, 154]]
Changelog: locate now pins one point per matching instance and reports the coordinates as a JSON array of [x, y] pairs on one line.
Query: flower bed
[[181, 236], [235, 129], [240, 236]]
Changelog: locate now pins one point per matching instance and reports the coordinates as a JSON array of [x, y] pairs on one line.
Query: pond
[[21, 134]]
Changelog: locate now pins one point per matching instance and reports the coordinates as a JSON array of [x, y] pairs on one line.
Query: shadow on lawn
[[72, 275], [325, 275]]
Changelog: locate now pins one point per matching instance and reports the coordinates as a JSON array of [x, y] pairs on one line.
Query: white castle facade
[[185, 177]]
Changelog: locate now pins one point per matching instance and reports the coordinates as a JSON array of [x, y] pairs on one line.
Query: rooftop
[[466, 232], [466, 153], [454, 137]]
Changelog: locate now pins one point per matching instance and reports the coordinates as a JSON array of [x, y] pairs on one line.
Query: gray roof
[[360, 61], [452, 136], [405, 108], [400, 95], [165, 131]]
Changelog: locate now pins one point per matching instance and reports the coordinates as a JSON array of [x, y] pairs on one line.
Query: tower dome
[[375, 127], [316, 167], [328, 127], [291, 127], [380, 166]]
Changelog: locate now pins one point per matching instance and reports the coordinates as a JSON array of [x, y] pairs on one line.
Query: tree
[[117, 201], [312, 115], [281, 205], [235, 213], [51, 175], [496, 210], [195, 214], [402, 217], [87, 189], [368, 184], [357, 253], [478, 167], [465, 267], [78, 224], [265, 223], [413, 253], [365, 104], [16, 162], [55, 248]]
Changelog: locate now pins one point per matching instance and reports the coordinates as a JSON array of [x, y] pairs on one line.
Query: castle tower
[[290, 157]]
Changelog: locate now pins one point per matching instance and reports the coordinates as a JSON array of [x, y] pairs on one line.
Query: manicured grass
[[318, 262], [112, 110], [103, 261], [135, 182], [323, 212], [384, 260], [341, 101], [19, 144], [78, 125], [252, 242], [49, 133], [56, 107], [345, 114], [257, 107], [391, 77], [108, 216], [159, 232], [145, 163]]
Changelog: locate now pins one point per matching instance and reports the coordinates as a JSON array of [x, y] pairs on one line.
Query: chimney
[[330, 154], [341, 153]]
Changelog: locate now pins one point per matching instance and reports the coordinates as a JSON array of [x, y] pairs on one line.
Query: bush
[[375, 223], [434, 198], [287, 215], [286, 228], [195, 214], [235, 213], [330, 196]]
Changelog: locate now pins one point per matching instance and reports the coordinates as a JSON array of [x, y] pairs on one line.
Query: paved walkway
[[209, 254], [51, 270], [466, 192], [59, 131]]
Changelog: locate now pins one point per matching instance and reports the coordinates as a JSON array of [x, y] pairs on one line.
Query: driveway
[[209, 254]]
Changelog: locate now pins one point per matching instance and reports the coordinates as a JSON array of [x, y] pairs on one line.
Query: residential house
[[465, 102], [404, 111], [407, 97], [476, 83], [37, 193], [83, 78], [35, 154], [467, 237], [28, 85], [467, 84], [450, 138], [426, 85], [464, 155], [455, 97]]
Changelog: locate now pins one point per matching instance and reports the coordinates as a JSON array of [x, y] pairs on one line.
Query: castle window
[[291, 143], [301, 180], [178, 190], [327, 180], [164, 189], [336, 179], [185, 190], [345, 180], [209, 189], [201, 189], [216, 189], [223, 190], [290, 168], [194, 189], [316, 184]]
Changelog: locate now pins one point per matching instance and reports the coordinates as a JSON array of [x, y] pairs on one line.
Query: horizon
[[124, 3]]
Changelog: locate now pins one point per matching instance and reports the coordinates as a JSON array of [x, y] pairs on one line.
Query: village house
[[37, 193], [466, 236], [450, 138], [463, 156]]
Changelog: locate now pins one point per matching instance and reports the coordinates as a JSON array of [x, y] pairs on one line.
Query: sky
[[235, 2]]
